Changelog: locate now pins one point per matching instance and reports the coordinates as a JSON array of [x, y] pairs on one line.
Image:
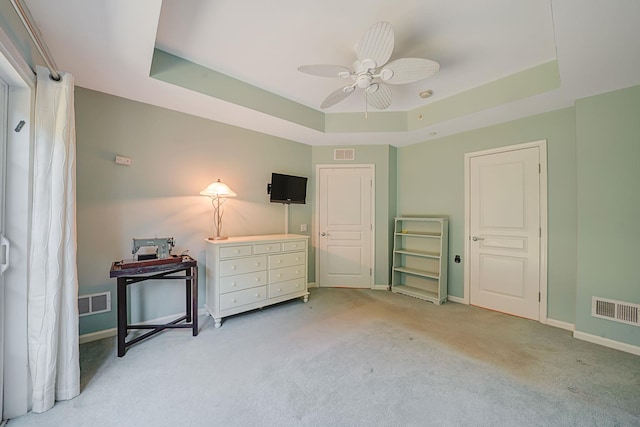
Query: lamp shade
[[218, 189]]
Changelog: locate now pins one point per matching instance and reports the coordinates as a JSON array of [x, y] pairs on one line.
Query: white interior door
[[505, 231], [345, 226]]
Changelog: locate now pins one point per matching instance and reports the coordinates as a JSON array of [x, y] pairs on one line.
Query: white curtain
[[53, 281]]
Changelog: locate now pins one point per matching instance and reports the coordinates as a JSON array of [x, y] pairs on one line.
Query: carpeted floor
[[355, 358]]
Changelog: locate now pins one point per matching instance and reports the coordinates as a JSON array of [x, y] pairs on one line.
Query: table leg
[[122, 315], [194, 299], [187, 284]]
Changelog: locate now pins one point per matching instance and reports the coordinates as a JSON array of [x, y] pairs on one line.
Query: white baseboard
[[95, 336], [617, 345], [455, 299], [312, 285], [560, 324], [380, 287], [107, 333]]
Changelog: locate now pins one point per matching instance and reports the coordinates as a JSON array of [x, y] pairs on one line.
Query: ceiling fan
[[371, 72]]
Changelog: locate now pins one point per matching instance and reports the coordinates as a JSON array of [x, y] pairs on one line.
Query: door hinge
[[539, 296], [539, 168], [370, 271], [540, 229]]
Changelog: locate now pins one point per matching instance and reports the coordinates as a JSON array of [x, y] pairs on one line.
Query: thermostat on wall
[[122, 160]]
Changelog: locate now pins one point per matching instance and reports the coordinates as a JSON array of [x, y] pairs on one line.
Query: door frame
[[542, 147], [21, 83], [315, 231]]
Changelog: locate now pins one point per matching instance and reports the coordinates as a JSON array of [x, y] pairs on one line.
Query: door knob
[[323, 234], [476, 238]]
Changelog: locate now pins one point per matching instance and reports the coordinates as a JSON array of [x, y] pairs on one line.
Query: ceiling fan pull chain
[[366, 105]]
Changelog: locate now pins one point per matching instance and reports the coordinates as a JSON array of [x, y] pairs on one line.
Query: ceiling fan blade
[[325, 70], [335, 97], [381, 98], [408, 70], [376, 44]]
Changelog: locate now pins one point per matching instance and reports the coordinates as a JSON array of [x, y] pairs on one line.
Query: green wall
[[592, 156], [382, 156], [431, 182], [608, 154], [174, 156]]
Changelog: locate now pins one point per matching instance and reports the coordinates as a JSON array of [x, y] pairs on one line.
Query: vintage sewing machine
[[154, 248]]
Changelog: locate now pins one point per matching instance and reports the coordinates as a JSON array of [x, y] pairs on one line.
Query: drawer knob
[[279, 289], [257, 264], [237, 251], [233, 267], [257, 295], [268, 248], [297, 258], [257, 279], [233, 284], [279, 275], [233, 300], [279, 261]]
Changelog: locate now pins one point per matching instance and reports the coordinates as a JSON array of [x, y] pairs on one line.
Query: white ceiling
[[108, 47]]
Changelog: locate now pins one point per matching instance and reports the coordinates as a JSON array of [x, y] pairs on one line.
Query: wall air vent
[[618, 311], [94, 303], [344, 154]]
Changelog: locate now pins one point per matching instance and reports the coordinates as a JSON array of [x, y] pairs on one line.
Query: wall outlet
[[122, 160], [303, 227]]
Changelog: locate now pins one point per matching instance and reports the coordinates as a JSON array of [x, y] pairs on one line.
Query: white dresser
[[249, 272]]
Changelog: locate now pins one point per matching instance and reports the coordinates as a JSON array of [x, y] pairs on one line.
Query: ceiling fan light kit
[[371, 72]]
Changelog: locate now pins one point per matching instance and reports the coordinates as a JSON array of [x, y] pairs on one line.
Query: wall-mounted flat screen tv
[[288, 188]]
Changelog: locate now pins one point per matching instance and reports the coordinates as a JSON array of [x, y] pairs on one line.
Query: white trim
[[112, 332], [314, 232], [560, 324], [617, 345], [20, 72], [312, 285], [542, 147], [95, 336], [381, 287], [456, 299]]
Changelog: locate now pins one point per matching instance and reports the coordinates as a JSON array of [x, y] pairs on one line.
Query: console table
[[167, 269], [249, 272]]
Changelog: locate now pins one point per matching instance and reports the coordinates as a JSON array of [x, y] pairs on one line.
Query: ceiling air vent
[[618, 311], [94, 303], [344, 154]]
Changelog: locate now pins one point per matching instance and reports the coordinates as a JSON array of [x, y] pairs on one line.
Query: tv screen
[[288, 188]]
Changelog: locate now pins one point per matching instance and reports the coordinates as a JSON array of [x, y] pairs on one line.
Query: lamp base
[[218, 238]]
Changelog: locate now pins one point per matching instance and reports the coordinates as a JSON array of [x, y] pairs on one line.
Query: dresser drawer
[[247, 296], [235, 251], [293, 245], [243, 281], [286, 260], [289, 273], [284, 288], [242, 265], [266, 248]]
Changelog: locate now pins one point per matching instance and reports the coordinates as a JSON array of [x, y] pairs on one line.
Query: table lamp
[[216, 191]]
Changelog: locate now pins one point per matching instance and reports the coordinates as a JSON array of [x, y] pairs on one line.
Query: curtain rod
[[27, 19]]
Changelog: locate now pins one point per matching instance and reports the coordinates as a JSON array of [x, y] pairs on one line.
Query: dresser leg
[[305, 298], [218, 321]]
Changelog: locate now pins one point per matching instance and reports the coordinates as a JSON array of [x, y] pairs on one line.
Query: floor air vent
[[617, 311], [94, 303], [344, 154]]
